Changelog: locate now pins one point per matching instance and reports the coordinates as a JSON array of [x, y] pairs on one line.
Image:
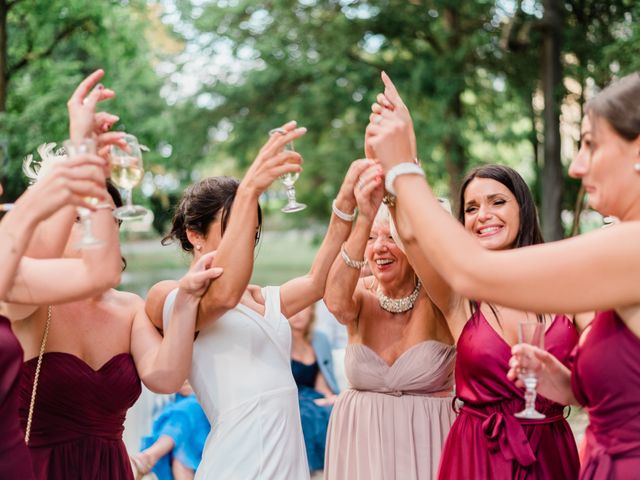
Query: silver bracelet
[[406, 168], [357, 264], [342, 215]]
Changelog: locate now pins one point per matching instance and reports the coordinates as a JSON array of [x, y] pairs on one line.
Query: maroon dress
[[15, 461], [486, 441], [606, 379], [76, 431]]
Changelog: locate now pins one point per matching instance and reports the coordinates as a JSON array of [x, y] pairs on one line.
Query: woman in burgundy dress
[[94, 351], [596, 271], [26, 279]]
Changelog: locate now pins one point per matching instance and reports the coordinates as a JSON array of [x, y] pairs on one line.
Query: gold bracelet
[[357, 264], [389, 200]]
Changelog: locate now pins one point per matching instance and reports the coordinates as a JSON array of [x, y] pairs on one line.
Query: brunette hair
[[202, 204], [529, 232], [618, 104]]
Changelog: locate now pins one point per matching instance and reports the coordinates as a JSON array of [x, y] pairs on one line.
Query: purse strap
[[43, 345]]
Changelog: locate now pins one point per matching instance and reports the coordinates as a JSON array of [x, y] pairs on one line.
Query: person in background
[[173, 450], [312, 367]]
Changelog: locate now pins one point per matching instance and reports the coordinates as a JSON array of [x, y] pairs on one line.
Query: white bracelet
[[342, 215], [406, 168]]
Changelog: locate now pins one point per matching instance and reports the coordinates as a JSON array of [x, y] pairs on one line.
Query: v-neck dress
[[486, 440]]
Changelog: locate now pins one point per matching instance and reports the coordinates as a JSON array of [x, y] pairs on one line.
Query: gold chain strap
[[27, 433]]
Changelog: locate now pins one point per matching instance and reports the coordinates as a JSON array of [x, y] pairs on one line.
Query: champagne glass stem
[[530, 394], [291, 194], [130, 199]]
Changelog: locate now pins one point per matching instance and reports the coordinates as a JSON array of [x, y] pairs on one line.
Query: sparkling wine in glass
[[532, 333], [73, 149], [126, 173], [289, 180]]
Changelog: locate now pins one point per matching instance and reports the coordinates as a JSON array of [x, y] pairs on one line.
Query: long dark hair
[[202, 204], [618, 105], [529, 232]]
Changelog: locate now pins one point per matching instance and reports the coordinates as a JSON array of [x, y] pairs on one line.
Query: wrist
[[346, 213], [404, 168], [248, 191]]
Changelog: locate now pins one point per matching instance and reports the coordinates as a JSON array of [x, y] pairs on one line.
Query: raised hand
[[69, 183], [346, 199], [197, 279], [84, 121], [273, 161], [398, 132], [369, 191]]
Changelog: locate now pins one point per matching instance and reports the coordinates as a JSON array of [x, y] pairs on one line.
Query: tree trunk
[[4, 68], [455, 155], [552, 172]]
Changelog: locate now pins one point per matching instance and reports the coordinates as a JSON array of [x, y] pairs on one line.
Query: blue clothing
[[185, 422], [324, 357], [315, 418]]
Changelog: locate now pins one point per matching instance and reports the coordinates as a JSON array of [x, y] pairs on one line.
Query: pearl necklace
[[398, 305]]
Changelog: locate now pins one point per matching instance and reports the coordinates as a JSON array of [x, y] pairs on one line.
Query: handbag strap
[[43, 345]]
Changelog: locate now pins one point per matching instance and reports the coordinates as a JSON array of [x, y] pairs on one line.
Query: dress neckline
[[502, 340], [412, 347], [81, 361]]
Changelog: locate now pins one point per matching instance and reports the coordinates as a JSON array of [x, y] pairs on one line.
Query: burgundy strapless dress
[[606, 379], [15, 461], [487, 441], [76, 431]]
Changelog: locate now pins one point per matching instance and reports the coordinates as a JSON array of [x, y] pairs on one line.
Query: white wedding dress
[[241, 374]]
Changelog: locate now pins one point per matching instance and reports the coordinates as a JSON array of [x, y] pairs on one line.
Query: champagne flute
[[289, 180], [126, 173], [532, 333], [74, 148]]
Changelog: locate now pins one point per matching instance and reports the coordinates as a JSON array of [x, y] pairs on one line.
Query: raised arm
[[528, 278], [299, 293], [51, 235], [342, 295], [164, 363], [436, 287], [236, 250], [26, 280]]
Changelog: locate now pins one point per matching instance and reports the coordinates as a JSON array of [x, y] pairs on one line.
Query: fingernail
[[302, 129]]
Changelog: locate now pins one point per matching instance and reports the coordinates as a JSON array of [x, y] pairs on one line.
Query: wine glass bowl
[[289, 179], [126, 173], [531, 333]]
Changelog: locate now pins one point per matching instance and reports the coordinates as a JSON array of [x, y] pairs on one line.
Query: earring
[[636, 167], [198, 247]]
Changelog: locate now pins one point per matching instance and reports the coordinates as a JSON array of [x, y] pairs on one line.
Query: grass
[[280, 256]]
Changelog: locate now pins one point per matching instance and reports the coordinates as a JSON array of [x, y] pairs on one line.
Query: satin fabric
[[78, 420], [15, 461], [486, 440], [606, 380]]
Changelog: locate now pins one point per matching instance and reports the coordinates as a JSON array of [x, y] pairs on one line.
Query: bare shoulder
[[154, 304]]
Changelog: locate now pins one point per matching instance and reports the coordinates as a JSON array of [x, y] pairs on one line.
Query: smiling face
[[491, 213], [387, 262]]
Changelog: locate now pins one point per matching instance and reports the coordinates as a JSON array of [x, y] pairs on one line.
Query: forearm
[[235, 254], [51, 236], [15, 232], [556, 384], [343, 279], [300, 293], [164, 445], [164, 368]]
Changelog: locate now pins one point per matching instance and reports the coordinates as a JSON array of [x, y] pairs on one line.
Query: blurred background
[[201, 82]]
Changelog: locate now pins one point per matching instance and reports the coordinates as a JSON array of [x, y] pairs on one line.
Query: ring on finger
[[360, 184], [377, 119]]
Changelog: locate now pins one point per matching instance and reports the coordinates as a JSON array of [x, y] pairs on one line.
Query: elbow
[[163, 382], [220, 301]]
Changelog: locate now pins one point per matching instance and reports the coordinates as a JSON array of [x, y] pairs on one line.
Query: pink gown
[[606, 380], [487, 441]]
